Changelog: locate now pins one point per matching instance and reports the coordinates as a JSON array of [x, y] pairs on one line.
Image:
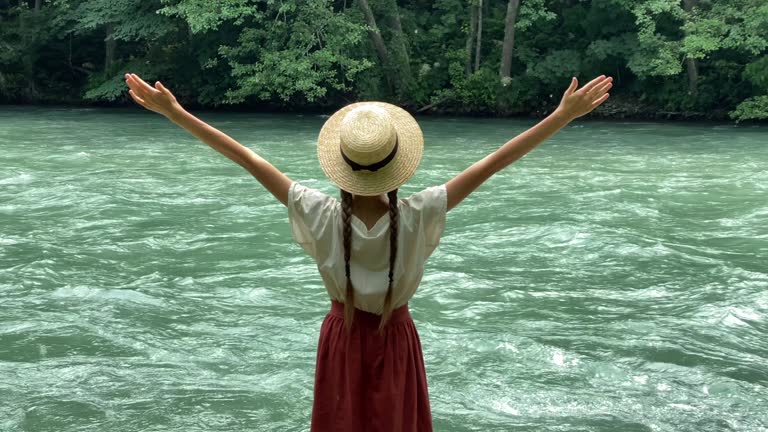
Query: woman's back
[[316, 225]]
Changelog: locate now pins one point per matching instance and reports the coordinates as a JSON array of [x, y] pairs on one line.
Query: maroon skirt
[[370, 382]]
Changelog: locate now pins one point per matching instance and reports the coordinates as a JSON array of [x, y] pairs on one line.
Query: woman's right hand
[[158, 99]]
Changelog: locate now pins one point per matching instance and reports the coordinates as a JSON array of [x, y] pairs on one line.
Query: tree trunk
[[38, 5], [401, 38], [378, 41], [692, 64], [471, 38], [404, 61], [109, 53], [29, 93], [479, 35], [693, 76], [509, 38]]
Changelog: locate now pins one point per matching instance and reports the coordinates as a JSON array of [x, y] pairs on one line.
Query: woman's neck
[[370, 202]]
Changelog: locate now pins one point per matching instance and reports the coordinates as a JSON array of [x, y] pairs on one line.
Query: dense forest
[[669, 58]]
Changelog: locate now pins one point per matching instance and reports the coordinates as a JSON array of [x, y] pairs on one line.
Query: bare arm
[[573, 105], [162, 101]]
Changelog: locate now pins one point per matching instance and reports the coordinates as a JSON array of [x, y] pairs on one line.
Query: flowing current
[[614, 279]]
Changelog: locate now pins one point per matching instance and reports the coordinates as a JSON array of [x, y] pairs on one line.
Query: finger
[[601, 88], [592, 84], [136, 84], [161, 87], [138, 100], [136, 87], [597, 103], [572, 87], [130, 81], [143, 84]]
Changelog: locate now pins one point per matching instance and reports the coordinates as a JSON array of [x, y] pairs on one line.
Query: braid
[[393, 225], [346, 216]]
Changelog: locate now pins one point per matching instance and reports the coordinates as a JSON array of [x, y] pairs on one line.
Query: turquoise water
[[614, 279]]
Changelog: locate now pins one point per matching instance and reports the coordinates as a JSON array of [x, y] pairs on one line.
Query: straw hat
[[370, 148]]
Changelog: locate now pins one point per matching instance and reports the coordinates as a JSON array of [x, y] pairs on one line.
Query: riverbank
[[615, 108]]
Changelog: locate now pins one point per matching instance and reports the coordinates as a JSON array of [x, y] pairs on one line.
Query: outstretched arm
[[574, 104], [160, 100]]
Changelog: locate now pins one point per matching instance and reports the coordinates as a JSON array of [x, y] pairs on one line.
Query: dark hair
[[346, 217]]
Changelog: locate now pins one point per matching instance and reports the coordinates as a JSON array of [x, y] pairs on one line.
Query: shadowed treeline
[[669, 58]]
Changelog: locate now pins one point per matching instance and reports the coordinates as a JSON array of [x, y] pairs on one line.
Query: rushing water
[[614, 279]]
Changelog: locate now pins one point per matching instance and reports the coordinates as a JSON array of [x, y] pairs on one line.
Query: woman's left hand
[[158, 99]]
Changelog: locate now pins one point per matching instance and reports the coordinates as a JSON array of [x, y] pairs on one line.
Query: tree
[[693, 57], [401, 48], [377, 40], [691, 64], [110, 22], [509, 38], [479, 34], [474, 10], [292, 51], [733, 34]]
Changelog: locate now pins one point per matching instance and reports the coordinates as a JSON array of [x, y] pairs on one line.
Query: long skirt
[[370, 382]]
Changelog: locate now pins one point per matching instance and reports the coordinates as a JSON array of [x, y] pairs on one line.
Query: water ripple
[[614, 279]]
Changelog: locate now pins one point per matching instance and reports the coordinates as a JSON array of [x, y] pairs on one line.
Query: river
[[614, 279]]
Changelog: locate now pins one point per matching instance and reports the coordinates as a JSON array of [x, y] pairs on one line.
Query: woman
[[370, 247]]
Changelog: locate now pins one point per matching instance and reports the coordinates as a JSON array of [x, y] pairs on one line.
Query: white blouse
[[316, 225]]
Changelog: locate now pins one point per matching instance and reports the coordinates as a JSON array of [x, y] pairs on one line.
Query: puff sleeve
[[312, 215], [428, 211]]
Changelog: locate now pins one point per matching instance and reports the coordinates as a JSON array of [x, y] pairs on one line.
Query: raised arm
[[574, 104], [160, 100]]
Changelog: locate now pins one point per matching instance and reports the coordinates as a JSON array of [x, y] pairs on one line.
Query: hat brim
[[410, 149]]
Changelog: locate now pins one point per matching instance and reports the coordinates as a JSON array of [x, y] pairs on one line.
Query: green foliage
[[206, 15], [557, 66], [320, 53], [705, 36], [102, 87], [533, 12], [132, 19], [740, 25], [657, 54], [473, 93], [107, 90], [478, 92], [757, 73], [754, 108], [305, 51], [622, 46]]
